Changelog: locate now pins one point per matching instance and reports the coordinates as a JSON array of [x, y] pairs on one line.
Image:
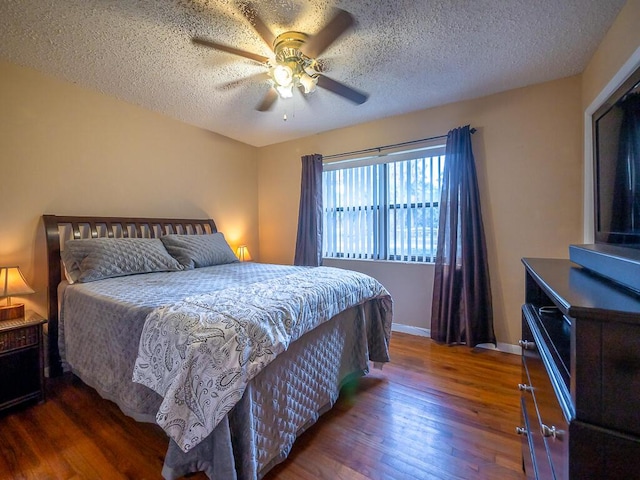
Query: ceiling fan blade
[[343, 90], [268, 100], [256, 77], [226, 48], [325, 37], [249, 12]]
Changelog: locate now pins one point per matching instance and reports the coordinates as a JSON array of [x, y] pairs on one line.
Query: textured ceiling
[[407, 54]]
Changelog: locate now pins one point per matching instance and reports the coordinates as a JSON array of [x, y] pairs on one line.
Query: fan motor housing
[[287, 46]]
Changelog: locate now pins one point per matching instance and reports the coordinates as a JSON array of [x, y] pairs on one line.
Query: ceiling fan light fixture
[[308, 82], [291, 67], [282, 75], [285, 91]]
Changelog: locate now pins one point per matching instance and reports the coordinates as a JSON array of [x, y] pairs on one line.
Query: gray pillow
[[96, 258], [195, 251]]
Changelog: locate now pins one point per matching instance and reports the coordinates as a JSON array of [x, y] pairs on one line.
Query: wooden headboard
[[59, 229]]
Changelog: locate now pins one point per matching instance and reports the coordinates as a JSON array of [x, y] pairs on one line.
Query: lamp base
[[11, 312]]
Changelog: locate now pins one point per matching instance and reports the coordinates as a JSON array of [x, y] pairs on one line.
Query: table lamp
[[243, 254], [12, 283]]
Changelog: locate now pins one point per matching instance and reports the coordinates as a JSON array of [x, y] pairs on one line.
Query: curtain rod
[[386, 147]]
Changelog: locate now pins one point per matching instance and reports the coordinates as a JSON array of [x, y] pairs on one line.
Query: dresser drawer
[[549, 424], [528, 458], [552, 425], [539, 452], [19, 338]]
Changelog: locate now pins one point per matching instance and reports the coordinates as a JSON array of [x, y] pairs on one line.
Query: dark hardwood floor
[[434, 412]]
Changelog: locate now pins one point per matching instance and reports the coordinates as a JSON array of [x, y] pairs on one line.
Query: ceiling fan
[[295, 63]]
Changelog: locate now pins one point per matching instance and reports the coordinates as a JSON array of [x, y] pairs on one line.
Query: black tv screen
[[616, 133]]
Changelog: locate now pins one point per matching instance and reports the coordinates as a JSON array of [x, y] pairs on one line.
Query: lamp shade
[[243, 253], [12, 282]]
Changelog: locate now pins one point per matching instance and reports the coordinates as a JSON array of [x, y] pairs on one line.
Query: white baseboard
[[502, 347], [426, 332], [411, 330], [510, 348]]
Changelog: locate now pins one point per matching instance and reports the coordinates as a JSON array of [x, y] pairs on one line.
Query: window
[[383, 211]]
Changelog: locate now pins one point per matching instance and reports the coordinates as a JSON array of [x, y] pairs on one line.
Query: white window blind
[[383, 210]]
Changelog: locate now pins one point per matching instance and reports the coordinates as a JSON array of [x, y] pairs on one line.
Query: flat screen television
[[616, 155], [616, 135]]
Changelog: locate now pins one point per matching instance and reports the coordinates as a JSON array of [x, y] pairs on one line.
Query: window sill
[[368, 260]]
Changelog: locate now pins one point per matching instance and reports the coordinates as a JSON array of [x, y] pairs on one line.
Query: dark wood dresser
[[580, 390]]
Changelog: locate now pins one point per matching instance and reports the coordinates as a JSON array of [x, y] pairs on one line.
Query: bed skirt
[[280, 403]]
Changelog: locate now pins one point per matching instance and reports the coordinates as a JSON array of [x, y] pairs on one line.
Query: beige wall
[[528, 154], [620, 42], [67, 150]]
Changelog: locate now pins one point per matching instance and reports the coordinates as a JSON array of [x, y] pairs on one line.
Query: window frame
[[382, 245]]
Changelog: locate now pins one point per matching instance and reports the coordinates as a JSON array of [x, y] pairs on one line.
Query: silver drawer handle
[[551, 432], [521, 431], [523, 387], [527, 345]]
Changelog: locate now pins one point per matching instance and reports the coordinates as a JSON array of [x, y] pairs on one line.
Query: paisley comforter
[[199, 354]]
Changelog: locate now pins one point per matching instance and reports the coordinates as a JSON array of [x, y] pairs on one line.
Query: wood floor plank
[[434, 412]]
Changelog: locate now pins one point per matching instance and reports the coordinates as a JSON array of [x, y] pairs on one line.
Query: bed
[[234, 360]]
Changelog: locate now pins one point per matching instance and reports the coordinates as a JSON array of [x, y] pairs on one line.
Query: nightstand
[[21, 360]]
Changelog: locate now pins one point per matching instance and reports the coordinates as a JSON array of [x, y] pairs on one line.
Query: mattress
[[100, 329], [105, 320]]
